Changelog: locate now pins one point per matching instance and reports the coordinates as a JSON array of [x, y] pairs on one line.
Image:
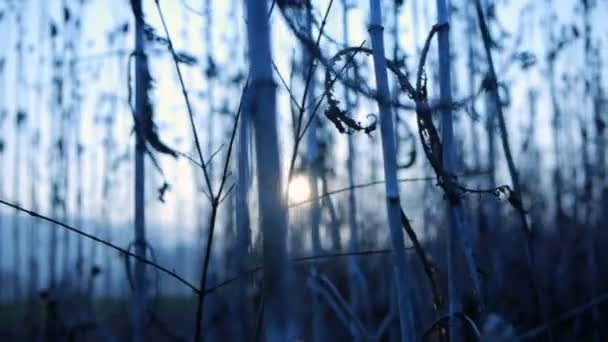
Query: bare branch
[[186, 98], [103, 242]]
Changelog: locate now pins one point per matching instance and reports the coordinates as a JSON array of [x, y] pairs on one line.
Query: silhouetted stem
[[486, 38]]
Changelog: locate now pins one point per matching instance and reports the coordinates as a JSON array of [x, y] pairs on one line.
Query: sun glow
[[299, 189]]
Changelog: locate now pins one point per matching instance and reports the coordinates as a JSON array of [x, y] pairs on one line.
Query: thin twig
[[358, 186], [259, 319], [232, 136], [568, 315], [173, 274], [423, 55], [191, 9], [298, 260], [515, 198], [322, 97], [302, 106], [289, 91], [103, 242], [300, 135], [212, 156], [350, 84], [326, 290], [186, 97], [209, 160], [364, 185], [227, 194], [429, 267], [216, 200], [461, 315]]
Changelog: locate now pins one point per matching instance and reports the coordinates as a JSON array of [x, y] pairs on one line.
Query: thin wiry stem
[[173, 274], [163, 269], [186, 97], [327, 291], [515, 198], [289, 91], [358, 87], [231, 144], [427, 263], [357, 186], [322, 97], [300, 133], [568, 315], [228, 192], [200, 308], [298, 260], [313, 65], [423, 54], [191, 9], [316, 52], [460, 315], [215, 197], [216, 200], [302, 107], [391, 190], [193, 161], [294, 102]]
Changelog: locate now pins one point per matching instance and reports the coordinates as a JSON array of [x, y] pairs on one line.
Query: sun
[[299, 189]]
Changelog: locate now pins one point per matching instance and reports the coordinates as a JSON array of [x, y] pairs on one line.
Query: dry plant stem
[[458, 229], [575, 312], [299, 134], [215, 202], [171, 273], [243, 220], [293, 105], [322, 97], [357, 87], [272, 208], [165, 270], [53, 253], [231, 144], [312, 65], [501, 120], [511, 165], [590, 184], [365, 185], [357, 186], [141, 88], [258, 321], [328, 291], [201, 299], [186, 98], [312, 166], [3, 81], [390, 174], [288, 88], [460, 315], [297, 260], [313, 169], [216, 198], [356, 281], [429, 267]]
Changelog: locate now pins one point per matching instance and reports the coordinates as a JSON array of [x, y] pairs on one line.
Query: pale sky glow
[[299, 189]]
